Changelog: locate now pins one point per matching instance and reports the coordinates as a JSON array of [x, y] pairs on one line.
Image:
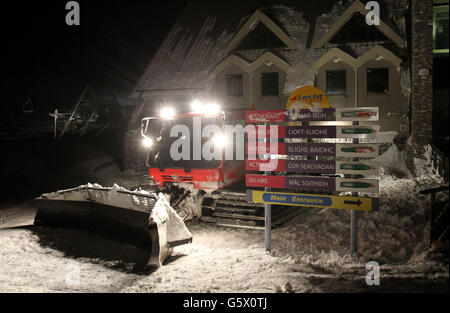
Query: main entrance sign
[[315, 201]]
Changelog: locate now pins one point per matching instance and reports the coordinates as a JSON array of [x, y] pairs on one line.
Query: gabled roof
[[208, 32], [198, 41], [249, 67], [377, 53], [259, 17], [354, 8]]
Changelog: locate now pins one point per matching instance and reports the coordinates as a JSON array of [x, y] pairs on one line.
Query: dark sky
[[52, 62]]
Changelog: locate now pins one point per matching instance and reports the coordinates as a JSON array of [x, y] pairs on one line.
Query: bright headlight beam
[[212, 109], [167, 113], [147, 142], [220, 140], [197, 106]]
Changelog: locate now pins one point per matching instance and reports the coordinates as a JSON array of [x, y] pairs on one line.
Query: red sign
[[265, 148], [265, 181], [261, 131], [267, 116], [273, 165], [276, 148], [281, 132], [295, 166], [292, 182]]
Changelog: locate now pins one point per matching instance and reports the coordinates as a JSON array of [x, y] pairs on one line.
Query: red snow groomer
[[213, 190], [184, 131]]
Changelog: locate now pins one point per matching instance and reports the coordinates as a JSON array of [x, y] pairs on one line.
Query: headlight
[[220, 141], [167, 113], [196, 106], [147, 142], [212, 109]]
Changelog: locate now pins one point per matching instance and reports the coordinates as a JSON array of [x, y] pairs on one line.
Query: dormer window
[[378, 80], [336, 82], [235, 85], [270, 84]]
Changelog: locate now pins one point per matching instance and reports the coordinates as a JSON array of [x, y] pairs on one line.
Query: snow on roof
[[196, 43]]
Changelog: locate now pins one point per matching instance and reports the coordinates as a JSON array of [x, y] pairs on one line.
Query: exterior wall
[[219, 90], [338, 101], [268, 102], [393, 105], [252, 89], [422, 80]]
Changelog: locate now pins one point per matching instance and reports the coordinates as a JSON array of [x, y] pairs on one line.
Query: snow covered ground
[[310, 253]]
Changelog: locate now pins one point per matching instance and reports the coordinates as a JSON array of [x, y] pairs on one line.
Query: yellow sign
[[317, 201], [308, 97]]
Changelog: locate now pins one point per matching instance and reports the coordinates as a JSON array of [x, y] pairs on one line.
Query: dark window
[[336, 82], [235, 85], [377, 80], [269, 84]]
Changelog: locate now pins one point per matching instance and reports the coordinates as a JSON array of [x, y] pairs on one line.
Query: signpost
[[312, 166]]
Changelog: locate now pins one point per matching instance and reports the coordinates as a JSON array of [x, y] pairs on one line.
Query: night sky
[[52, 62]]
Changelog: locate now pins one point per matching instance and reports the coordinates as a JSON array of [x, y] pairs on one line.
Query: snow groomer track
[[142, 219], [232, 209]]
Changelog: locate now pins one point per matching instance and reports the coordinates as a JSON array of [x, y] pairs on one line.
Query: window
[[377, 80], [336, 82], [269, 84], [235, 85], [440, 27]]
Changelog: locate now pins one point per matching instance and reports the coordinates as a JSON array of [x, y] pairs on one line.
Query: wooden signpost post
[[313, 166]]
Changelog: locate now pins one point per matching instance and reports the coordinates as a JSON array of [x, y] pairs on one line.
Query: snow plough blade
[[144, 220]]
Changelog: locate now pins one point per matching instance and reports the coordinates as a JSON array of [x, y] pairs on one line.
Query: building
[[255, 54]]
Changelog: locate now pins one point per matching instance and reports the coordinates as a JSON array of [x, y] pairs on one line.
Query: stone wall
[[422, 78]]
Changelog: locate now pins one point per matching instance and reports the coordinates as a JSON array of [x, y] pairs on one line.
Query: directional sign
[[313, 183], [357, 185], [357, 150], [314, 149], [361, 132], [313, 166], [295, 166], [265, 116], [371, 114], [291, 182], [317, 115], [302, 115], [317, 201], [290, 132], [357, 168]]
